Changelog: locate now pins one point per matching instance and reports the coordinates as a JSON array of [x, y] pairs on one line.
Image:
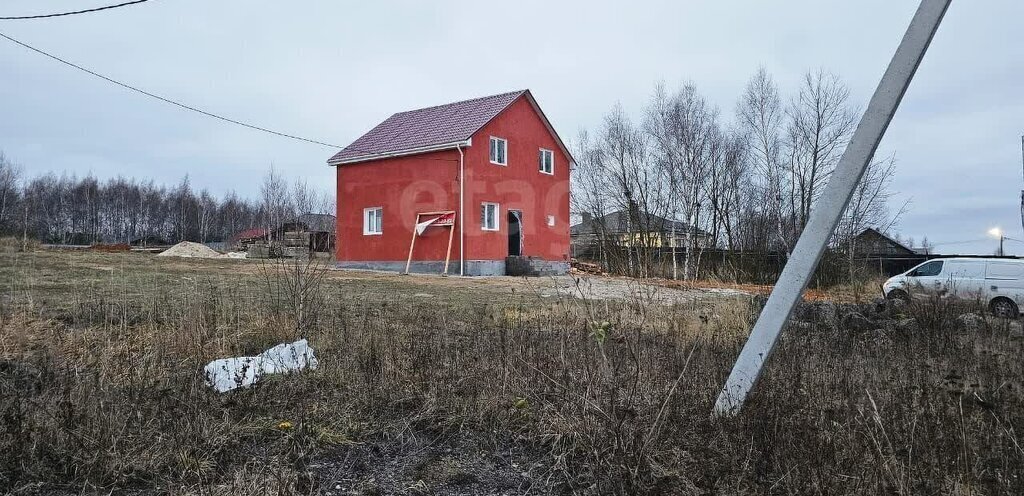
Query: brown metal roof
[[425, 128]]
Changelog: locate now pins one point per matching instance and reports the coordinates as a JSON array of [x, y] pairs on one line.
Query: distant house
[[480, 183], [871, 243], [247, 237], [309, 232], [319, 222], [150, 240], [643, 229]]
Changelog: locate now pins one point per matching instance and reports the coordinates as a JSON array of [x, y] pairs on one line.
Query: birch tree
[[760, 117], [869, 207], [274, 200], [660, 125], [10, 176], [730, 181], [622, 153], [687, 143], [821, 122], [614, 174]]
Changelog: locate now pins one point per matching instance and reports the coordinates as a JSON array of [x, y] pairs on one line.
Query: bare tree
[[274, 200], [660, 124], [590, 197], [68, 209], [309, 200], [206, 211], [748, 185], [927, 246], [730, 180], [821, 122], [687, 145], [10, 176], [614, 173], [869, 207], [184, 208], [623, 158], [760, 116]]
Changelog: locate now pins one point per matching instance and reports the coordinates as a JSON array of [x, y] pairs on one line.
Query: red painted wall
[[403, 186], [518, 186], [420, 183]]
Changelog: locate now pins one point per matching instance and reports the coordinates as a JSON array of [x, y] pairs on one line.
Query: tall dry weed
[[101, 389]]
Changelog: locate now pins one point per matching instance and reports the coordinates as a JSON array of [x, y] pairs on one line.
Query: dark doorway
[[515, 233]]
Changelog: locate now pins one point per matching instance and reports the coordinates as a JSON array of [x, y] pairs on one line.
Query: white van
[[998, 281]]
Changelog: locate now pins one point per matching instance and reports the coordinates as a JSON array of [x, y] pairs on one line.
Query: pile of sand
[[188, 249]]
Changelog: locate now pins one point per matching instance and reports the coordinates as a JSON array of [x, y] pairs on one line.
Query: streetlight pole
[[998, 233]]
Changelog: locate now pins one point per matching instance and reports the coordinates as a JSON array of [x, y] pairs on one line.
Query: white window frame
[[549, 153], [551, 220], [497, 216], [367, 228], [490, 146]]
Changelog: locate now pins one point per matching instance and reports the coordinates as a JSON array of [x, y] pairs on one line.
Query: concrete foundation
[[533, 267], [513, 266], [473, 267]]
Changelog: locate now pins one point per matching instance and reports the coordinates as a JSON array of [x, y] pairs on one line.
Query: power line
[[86, 11], [168, 100], [966, 242], [366, 153]]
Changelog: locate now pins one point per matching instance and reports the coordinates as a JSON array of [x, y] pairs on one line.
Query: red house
[[488, 179]]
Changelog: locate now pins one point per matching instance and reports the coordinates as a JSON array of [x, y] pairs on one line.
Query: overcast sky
[[331, 70]]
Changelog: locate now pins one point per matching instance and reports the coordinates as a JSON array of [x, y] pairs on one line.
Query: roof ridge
[[471, 100]]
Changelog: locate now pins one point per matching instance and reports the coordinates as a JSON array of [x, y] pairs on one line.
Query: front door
[[515, 233]]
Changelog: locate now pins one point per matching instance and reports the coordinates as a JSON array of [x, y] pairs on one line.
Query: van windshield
[[932, 268]]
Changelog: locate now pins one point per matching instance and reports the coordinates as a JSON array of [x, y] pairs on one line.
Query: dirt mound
[[188, 249]]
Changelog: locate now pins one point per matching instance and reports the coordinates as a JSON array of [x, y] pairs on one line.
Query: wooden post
[[448, 255], [408, 261]]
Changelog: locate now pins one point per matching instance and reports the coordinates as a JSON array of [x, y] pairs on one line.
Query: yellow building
[[642, 230]]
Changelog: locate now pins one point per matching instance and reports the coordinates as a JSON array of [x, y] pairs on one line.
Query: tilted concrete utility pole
[[829, 208]]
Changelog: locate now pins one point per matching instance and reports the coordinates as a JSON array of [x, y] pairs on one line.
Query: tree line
[[67, 209], [745, 183], [742, 183]]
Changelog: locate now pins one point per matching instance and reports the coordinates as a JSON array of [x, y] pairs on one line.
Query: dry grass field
[[431, 385]]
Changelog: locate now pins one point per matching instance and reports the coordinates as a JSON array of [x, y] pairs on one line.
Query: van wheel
[[898, 294], [1004, 308]]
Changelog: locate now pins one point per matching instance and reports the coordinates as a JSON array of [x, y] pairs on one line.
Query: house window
[[373, 221], [547, 161], [498, 151], [489, 216], [551, 220]]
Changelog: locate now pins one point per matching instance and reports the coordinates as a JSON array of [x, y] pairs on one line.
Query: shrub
[[11, 244]]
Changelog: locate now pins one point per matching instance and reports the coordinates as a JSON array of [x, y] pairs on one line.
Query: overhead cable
[[168, 100], [75, 12]]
